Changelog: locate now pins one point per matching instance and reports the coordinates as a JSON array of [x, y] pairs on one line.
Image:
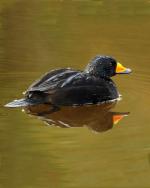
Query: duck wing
[[51, 80]]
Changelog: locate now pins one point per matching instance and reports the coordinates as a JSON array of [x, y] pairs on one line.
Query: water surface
[[37, 36]]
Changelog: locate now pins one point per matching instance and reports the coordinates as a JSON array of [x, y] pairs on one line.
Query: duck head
[[105, 66]]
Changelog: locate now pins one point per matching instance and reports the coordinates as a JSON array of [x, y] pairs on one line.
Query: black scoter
[[69, 87]]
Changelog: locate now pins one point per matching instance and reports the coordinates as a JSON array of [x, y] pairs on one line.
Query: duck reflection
[[96, 118]]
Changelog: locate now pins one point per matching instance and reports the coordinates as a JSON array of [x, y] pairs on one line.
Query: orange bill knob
[[120, 69]]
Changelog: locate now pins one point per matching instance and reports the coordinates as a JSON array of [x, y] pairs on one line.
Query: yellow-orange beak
[[120, 69]]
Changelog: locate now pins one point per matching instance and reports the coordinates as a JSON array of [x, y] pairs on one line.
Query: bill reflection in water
[[96, 118]]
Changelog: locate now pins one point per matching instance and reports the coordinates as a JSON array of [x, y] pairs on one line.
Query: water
[[37, 36]]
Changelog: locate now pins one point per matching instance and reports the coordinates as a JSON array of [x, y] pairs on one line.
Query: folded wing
[[52, 80]]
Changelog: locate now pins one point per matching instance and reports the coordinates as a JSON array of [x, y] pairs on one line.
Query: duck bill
[[120, 69]]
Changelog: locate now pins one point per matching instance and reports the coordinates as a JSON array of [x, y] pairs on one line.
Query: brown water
[[39, 35]]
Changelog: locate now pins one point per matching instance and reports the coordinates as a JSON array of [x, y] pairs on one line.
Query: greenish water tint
[[37, 36]]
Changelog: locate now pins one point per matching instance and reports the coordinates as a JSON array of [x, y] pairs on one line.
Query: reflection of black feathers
[[96, 118]]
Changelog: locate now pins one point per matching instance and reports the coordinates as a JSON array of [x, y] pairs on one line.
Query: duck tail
[[22, 103]]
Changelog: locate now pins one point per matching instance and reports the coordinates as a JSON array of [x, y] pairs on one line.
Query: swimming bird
[[69, 87]]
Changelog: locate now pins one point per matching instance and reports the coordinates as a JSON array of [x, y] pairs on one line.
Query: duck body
[[68, 87]]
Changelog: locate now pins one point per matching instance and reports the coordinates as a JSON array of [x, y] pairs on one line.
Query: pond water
[[37, 36]]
